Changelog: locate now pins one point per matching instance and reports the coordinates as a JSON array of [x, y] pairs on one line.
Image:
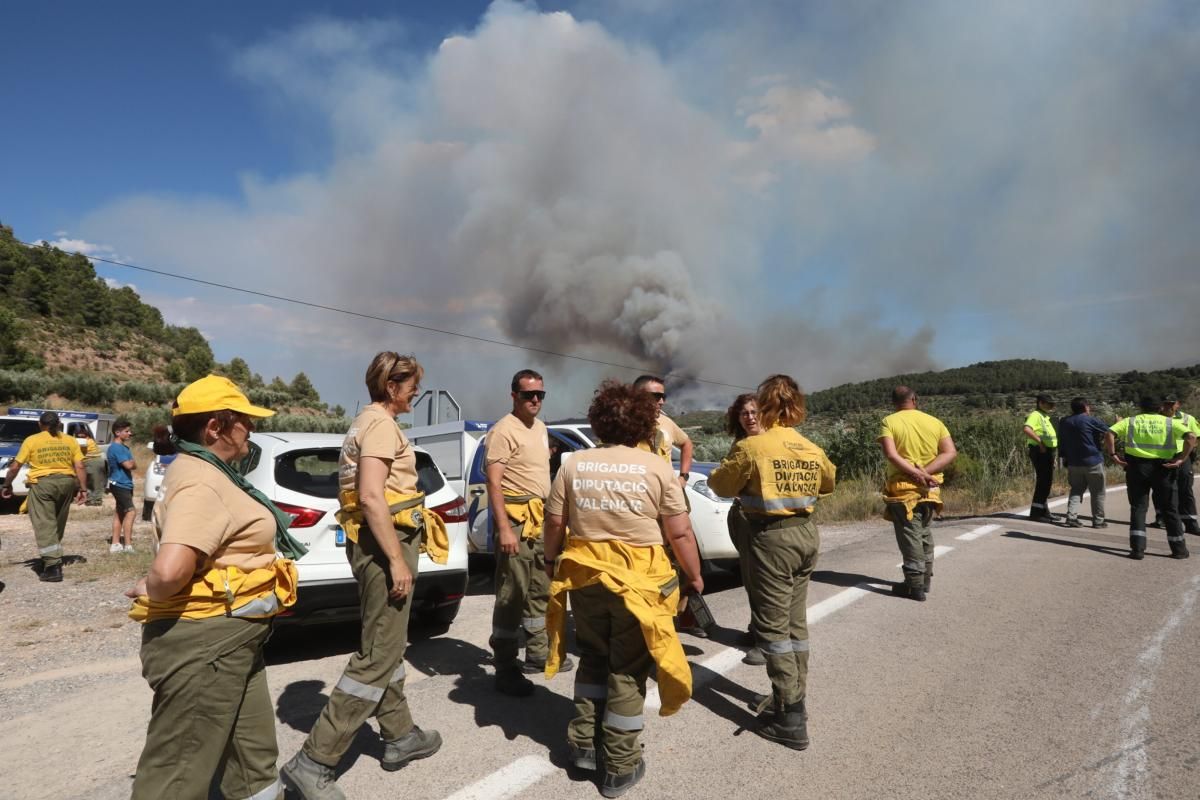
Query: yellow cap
[[215, 393]]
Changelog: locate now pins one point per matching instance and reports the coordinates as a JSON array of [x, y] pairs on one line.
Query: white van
[[20, 423]]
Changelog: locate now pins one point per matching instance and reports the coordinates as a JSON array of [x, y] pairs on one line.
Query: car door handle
[[477, 492]]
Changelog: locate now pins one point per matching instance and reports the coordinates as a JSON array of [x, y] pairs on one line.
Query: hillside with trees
[[68, 338]]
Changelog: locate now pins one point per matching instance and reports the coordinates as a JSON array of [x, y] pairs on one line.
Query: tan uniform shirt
[[666, 436], [525, 454], [616, 493], [202, 508], [376, 434]]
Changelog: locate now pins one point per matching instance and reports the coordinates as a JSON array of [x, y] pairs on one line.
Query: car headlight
[[4, 461], [701, 487]]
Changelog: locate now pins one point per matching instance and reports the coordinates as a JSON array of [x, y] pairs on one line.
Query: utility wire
[[375, 318]]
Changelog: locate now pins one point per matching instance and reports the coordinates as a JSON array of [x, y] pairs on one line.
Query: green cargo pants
[[212, 714], [613, 666], [49, 506], [97, 476], [783, 556], [522, 593], [915, 538], [372, 684], [741, 532]]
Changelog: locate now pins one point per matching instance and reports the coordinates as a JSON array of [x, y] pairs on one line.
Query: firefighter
[[622, 585], [387, 525], [917, 447], [741, 420], [1155, 446], [55, 476], [206, 607], [777, 477], [518, 480]]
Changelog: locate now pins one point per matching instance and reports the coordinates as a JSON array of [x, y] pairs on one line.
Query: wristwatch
[[685, 475]]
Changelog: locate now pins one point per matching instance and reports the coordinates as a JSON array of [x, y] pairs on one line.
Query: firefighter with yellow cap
[[206, 607], [621, 582], [1155, 446], [777, 476], [387, 526], [55, 477]]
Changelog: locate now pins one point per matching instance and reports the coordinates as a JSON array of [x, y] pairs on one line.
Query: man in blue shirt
[[1081, 442], [120, 484]]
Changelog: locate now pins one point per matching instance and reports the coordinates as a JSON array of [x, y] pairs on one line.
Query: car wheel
[[444, 615], [147, 510]]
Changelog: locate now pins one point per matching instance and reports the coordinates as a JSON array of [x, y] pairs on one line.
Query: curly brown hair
[[780, 402], [733, 421], [622, 414]]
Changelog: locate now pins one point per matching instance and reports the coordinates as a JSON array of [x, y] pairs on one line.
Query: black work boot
[[414, 745], [617, 785], [1180, 552], [51, 574], [787, 726], [911, 592], [511, 682], [1137, 555]]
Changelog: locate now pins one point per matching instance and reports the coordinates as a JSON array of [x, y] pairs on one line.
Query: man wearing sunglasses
[[668, 435], [517, 467]]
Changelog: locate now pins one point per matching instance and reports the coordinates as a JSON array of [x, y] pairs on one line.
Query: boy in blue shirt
[[120, 484]]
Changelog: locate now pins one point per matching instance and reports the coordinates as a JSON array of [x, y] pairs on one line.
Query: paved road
[[1045, 664]]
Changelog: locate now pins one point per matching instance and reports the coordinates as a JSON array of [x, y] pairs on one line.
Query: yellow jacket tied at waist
[[645, 580], [408, 513], [528, 512], [226, 592], [901, 489]]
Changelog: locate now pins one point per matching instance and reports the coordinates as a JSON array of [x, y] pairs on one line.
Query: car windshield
[[16, 430]]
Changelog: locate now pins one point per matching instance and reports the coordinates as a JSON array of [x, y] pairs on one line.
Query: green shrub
[[85, 388]]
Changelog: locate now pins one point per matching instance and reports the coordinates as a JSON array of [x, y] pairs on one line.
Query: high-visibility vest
[[1151, 436], [1043, 427], [1189, 426]]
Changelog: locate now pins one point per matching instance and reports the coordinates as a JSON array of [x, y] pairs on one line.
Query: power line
[[390, 321]]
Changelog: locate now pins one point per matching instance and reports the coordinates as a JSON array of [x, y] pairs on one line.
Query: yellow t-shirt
[[777, 473], [525, 454], [47, 454], [202, 508], [916, 435], [616, 493], [89, 448], [376, 434]]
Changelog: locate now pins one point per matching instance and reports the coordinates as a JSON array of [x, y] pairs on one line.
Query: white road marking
[[1134, 764], [507, 781], [983, 530]]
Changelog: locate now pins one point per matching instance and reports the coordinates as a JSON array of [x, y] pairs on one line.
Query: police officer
[[1184, 478], [622, 586], [1043, 446], [778, 476], [517, 469], [55, 476], [1155, 446]]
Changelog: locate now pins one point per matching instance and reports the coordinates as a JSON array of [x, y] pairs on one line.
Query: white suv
[[299, 473]]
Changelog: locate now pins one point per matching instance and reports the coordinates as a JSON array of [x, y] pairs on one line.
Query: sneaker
[[911, 592], [413, 746], [538, 667], [310, 780], [51, 574], [691, 630], [129, 549], [617, 785], [754, 657], [115, 548], [1099, 524], [582, 758], [1073, 523], [512, 683]]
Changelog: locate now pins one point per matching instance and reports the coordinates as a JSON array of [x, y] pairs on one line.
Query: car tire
[[444, 615], [147, 510]]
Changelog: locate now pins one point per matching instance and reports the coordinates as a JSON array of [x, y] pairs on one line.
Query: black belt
[[776, 523]]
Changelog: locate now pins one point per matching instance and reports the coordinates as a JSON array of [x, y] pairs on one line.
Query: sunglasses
[[659, 395], [532, 394]]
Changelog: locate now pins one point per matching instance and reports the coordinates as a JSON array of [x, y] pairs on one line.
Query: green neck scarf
[[285, 543]]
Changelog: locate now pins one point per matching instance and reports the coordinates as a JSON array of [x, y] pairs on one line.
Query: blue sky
[[836, 190]]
